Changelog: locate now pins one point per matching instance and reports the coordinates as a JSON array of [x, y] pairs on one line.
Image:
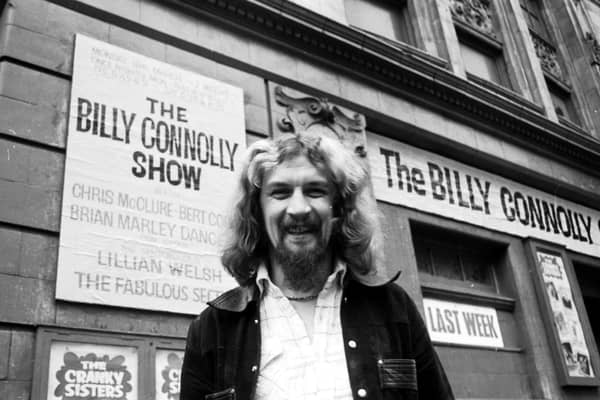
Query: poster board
[[167, 373], [415, 178], [151, 161], [85, 366], [563, 312], [465, 324]]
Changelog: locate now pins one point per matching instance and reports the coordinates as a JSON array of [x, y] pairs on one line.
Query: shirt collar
[[264, 282]]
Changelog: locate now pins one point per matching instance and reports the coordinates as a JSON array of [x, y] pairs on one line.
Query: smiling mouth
[[299, 230]]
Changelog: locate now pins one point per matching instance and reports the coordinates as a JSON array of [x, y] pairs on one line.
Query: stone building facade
[[479, 119]]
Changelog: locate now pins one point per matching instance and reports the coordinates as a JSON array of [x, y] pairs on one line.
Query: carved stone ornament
[[594, 47], [318, 115], [475, 13], [547, 56]]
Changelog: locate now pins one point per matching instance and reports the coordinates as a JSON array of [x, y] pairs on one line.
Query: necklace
[[302, 298]]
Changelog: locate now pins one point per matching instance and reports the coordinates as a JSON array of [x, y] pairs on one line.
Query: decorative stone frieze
[[547, 56], [475, 13], [594, 47], [306, 113]]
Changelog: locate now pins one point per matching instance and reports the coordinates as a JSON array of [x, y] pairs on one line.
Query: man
[[314, 316]]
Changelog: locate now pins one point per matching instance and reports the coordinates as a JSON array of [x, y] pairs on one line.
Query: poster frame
[[533, 246], [45, 336], [162, 344]]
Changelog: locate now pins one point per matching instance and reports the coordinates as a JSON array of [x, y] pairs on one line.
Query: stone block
[[254, 87], [4, 353], [397, 107], [257, 119], [137, 43], [273, 59], [431, 121], [39, 256], [231, 44], [63, 24], [28, 205], [359, 93], [167, 19], [22, 351], [15, 390], [34, 122], [191, 62], [123, 320], [207, 34], [26, 300], [37, 48], [489, 145], [30, 14], [14, 160], [129, 9], [32, 165], [10, 249], [318, 77]]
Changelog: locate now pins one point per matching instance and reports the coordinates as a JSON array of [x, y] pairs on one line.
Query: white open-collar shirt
[[291, 365]]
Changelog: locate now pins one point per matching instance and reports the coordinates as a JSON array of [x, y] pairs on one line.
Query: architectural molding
[[475, 13], [306, 113], [547, 55]]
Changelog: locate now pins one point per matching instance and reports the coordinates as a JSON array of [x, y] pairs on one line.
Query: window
[[456, 260], [481, 49], [480, 64], [533, 17], [384, 18], [545, 49], [588, 276]]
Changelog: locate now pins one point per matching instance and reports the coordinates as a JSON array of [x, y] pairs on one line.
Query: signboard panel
[[462, 324], [81, 371], [151, 159], [575, 351], [168, 374], [406, 175]]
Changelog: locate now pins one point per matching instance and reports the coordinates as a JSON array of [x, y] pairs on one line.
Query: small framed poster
[[563, 312], [81, 366], [168, 360]]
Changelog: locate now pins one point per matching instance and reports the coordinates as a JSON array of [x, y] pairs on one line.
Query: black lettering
[[388, 168], [140, 159], [521, 208], [536, 212], [550, 217], [565, 230], [418, 180], [507, 200], [84, 109], [436, 180]]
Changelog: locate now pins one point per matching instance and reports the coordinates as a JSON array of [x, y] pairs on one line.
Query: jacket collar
[[237, 299]]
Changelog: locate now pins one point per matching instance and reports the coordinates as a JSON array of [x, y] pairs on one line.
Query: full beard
[[302, 269]]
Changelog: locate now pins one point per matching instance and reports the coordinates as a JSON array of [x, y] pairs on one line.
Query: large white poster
[[152, 155], [406, 175]]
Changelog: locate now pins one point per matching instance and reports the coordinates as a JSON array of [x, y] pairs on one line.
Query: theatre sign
[[406, 175], [152, 153]]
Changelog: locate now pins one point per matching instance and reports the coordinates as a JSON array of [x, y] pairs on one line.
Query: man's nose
[[298, 206]]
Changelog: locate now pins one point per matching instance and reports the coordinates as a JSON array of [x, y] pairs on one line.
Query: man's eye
[[280, 194], [316, 192]]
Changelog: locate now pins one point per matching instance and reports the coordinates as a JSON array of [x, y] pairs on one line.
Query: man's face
[[296, 200]]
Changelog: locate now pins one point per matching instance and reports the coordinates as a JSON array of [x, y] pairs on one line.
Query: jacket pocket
[[397, 373], [227, 394]]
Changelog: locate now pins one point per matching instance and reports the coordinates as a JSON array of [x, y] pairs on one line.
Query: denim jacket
[[388, 351]]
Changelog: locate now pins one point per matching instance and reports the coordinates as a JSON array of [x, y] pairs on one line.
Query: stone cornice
[[407, 73]]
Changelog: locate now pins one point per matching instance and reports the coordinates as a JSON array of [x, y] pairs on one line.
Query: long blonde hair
[[356, 235]]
